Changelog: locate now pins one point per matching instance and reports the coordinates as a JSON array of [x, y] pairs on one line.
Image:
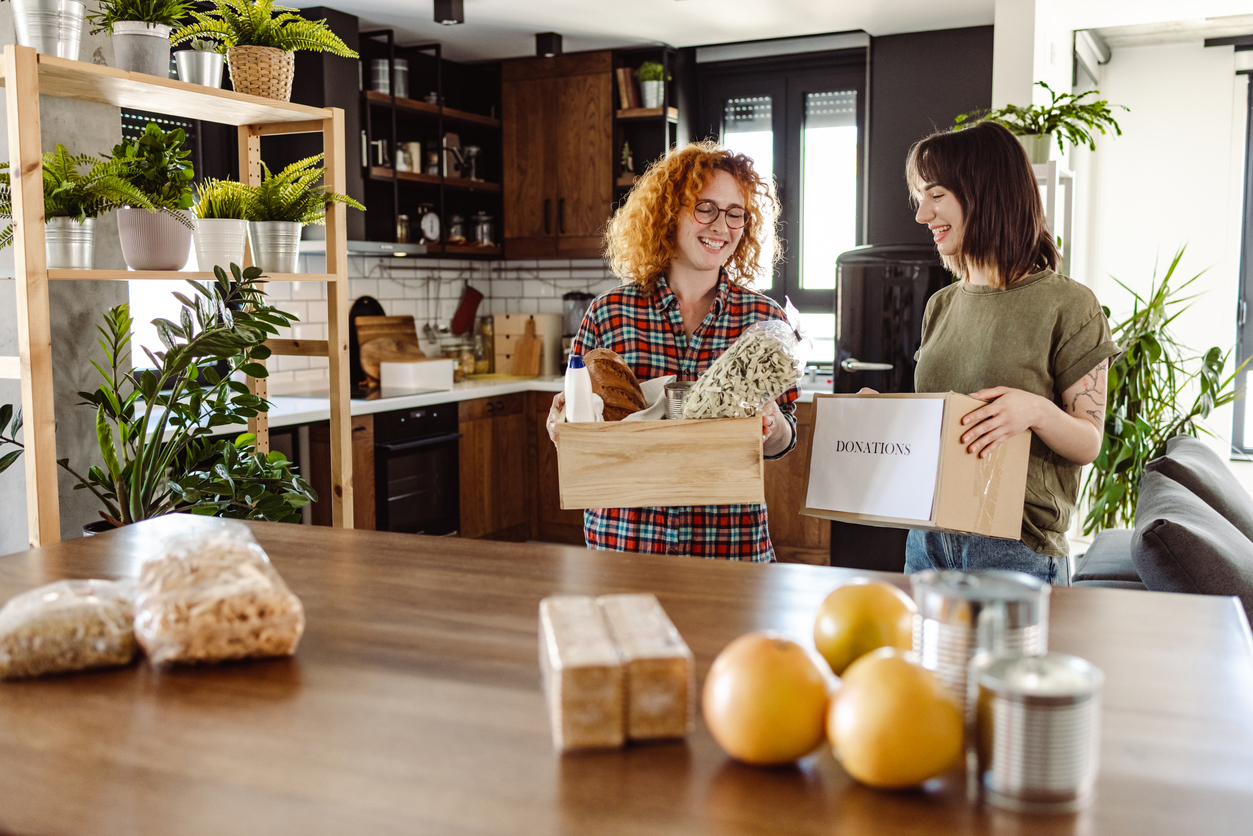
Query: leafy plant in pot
[[1067, 118], [281, 206], [652, 78], [155, 429], [73, 199], [260, 40], [221, 210], [157, 238], [1157, 389], [140, 30]]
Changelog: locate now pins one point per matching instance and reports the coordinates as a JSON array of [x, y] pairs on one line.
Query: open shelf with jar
[[430, 144], [646, 120]]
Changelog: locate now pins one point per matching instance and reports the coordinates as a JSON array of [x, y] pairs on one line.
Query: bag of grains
[[69, 625]]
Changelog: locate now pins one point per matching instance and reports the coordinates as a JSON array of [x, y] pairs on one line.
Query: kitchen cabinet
[[796, 538], [552, 524], [362, 468], [557, 137], [494, 462]]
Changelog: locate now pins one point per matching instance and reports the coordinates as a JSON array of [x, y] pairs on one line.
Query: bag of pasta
[[67, 626], [764, 362], [213, 597]]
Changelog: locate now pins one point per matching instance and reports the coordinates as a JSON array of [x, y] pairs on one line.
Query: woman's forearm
[[1073, 438]]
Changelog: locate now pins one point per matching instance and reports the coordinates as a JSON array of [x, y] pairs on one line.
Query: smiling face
[[940, 210], [706, 247]]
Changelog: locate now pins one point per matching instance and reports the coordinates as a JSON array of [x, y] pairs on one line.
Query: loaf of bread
[[616, 384]]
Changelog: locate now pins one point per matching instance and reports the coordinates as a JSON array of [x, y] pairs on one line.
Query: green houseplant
[[154, 429], [1157, 389], [141, 31], [73, 199], [260, 39], [652, 78], [1069, 117], [221, 210], [281, 206], [160, 239]]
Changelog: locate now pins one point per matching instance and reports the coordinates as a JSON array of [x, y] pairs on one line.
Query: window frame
[[1244, 328]]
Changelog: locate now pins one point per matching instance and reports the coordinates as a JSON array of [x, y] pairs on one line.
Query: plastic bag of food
[[67, 626], [764, 362], [213, 597]]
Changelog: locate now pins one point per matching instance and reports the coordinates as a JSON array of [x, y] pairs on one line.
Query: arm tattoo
[[1090, 399]]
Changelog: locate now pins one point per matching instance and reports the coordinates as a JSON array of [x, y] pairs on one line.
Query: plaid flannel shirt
[[646, 329]]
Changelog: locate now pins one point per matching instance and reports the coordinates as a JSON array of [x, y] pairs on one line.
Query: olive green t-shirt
[[1041, 334]]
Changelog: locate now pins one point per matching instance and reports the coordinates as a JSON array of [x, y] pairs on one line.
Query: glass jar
[[402, 229], [456, 229]]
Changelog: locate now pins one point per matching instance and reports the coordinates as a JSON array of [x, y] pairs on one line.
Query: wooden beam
[[30, 270], [311, 126], [10, 369], [295, 348], [250, 174], [337, 302], [171, 275]]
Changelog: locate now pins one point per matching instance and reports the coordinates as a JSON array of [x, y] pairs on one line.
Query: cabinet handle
[[500, 405], [491, 407], [561, 215], [548, 226]]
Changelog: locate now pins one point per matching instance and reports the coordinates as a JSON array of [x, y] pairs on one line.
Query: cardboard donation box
[[636, 464], [898, 461]]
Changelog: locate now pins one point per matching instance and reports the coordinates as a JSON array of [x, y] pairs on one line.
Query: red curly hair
[[640, 240]]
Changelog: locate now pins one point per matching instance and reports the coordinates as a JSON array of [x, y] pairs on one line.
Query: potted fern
[[140, 30], [281, 206], [73, 199], [221, 210], [260, 40], [1067, 118], [157, 236]]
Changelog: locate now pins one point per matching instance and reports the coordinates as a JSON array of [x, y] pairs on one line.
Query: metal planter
[[70, 245], [53, 27], [199, 67], [140, 47], [652, 93], [275, 245]]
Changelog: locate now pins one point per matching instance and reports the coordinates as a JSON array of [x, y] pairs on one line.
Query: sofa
[[1193, 531]]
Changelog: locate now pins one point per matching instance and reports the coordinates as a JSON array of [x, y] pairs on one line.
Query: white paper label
[[876, 456]]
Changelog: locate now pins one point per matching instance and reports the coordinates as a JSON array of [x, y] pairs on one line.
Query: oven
[[416, 482]]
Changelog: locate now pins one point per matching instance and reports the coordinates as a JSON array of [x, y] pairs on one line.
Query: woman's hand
[[559, 400], [776, 432], [1010, 412], [865, 390]]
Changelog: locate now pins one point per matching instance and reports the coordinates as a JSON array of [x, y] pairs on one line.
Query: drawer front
[[483, 408]]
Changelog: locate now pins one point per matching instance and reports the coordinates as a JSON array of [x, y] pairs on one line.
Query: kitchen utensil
[[429, 332], [483, 229], [470, 161], [463, 319], [386, 338], [452, 154], [574, 306], [509, 329], [364, 306], [527, 354]]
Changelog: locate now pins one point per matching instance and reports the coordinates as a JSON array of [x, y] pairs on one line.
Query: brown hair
[[1004, 229], [640, 239]]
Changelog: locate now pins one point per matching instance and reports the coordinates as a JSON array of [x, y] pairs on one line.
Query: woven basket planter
[[262, 71]]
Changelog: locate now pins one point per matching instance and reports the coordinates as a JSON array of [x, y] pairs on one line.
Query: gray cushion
[[1111, 584], [1194, 465], [1181, 544], [1108, 558]]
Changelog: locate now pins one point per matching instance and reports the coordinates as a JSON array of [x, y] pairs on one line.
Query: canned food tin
[[963, 613], [676, 390], [1038, 720]]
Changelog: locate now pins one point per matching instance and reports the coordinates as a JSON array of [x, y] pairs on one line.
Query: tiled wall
[[427, 290]]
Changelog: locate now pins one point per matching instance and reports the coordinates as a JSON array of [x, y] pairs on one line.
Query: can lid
[[1050, 678], [981, 585]]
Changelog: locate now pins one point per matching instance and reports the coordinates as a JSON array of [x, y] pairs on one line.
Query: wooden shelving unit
[[27, 75], [450, 114], [381, 173], [671, 113]]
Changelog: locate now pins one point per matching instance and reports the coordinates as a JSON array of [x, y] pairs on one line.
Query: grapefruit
[[862, 616]]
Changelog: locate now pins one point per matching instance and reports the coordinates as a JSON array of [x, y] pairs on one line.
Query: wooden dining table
[[413, 706]]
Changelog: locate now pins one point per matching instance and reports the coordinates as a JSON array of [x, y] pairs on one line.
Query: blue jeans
[[941, 550]]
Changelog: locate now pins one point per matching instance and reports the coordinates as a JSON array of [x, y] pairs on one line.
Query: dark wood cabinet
[[557, 137], [495, 472], [796, 538], [552, 525], [362, 471]]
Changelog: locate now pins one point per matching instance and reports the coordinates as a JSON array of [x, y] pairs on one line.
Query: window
[[801, 120], [1242, 431]]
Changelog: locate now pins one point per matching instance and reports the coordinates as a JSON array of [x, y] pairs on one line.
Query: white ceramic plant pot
[[652, 92], [220, 243], [275, 245], [153, 240], [200, 67], [70, 245], [140, 47], [53, 27], [1039, 147]]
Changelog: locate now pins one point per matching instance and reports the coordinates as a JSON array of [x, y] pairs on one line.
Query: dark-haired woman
[[1014, 332]]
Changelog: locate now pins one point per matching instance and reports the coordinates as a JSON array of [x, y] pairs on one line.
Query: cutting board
[[386, 339], [511, 328], [527, 353]]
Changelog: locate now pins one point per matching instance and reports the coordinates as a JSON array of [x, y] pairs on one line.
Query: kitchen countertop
[[413, 705]]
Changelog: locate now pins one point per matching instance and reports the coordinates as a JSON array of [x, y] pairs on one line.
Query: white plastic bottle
[[578, 392]]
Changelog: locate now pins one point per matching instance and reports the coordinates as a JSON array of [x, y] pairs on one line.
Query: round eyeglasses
[[707, 212]]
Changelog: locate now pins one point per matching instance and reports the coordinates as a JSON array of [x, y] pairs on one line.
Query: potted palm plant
[[155, 429], [1067, 118], [1157, 389], [221, 210], [141, 32], [73, 199], [281, 206], [156, 238], [260, 40]]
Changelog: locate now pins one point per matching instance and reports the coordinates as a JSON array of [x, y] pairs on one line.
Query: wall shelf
[[28, 76], [382, 173], [450, 114], [634, 113]]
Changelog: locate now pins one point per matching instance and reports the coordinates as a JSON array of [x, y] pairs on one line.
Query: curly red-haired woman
[[686, 244]]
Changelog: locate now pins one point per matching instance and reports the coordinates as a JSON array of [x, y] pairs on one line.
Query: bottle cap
[[576, 361]]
